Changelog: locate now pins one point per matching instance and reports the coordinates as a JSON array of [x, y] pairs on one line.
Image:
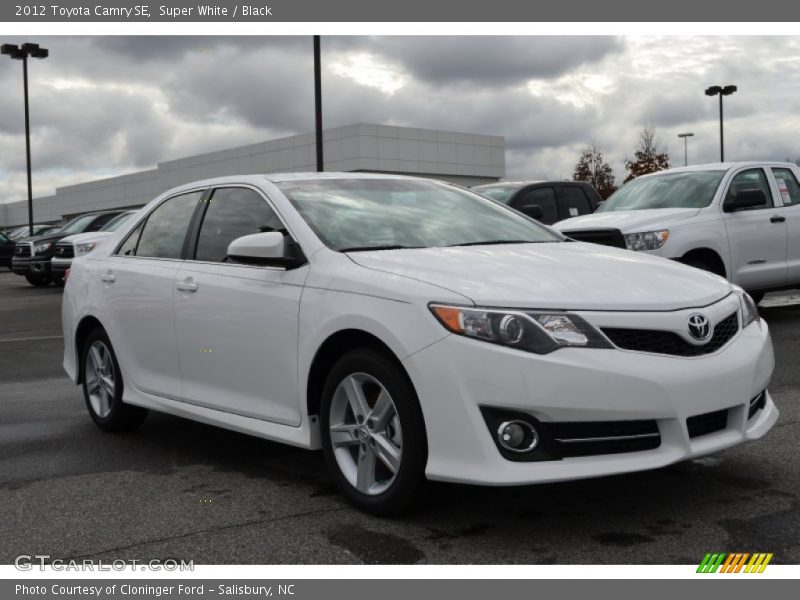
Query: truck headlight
[[540, 332], [85, 248], [749, 308], [42, 247], [646, 240]]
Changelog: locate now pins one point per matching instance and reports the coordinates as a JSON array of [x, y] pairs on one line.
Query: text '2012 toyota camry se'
[[411, 329]]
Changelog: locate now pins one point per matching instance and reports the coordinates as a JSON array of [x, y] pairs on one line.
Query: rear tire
[[373, 433], [59, 281], [103, 386], [38, 280]]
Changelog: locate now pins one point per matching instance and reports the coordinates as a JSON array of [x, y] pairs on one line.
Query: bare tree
[[593, 168], [648, 157]]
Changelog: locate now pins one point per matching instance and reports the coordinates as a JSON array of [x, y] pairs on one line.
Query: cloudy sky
[[103, 106]]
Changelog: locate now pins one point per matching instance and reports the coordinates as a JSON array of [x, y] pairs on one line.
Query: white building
[[463, 158]]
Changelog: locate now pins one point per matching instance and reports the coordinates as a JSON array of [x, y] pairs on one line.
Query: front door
[[237, 324]]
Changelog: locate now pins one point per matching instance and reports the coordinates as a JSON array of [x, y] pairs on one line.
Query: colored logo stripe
[[734, 562]]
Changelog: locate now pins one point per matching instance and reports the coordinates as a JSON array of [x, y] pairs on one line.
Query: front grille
[[667, 342], [65, 251], [22, 250], [574, 439], [707, 423], [604, 237], [756, 404]]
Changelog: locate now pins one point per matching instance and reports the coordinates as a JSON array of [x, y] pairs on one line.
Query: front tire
[[103, 386], [38, 280], [373, 433]]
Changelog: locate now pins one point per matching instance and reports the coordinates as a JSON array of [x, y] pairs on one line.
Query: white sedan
[[411, 329]]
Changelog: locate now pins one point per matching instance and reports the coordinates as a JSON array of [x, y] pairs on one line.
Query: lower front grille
[[604, 437], [756, 404], [707, 423], [604, 237], [667, 342], [23, 250]]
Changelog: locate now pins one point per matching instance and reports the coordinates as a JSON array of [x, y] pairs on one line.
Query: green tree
[[648, 157], [593, 168]]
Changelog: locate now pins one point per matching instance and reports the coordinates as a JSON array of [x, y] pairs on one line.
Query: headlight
[[646, 240], [749, 308], [84, 248], [533, 331], [42, 247]]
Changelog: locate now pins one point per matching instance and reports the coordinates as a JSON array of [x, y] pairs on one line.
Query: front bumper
[[59, 265], [456, 376], [35, 265]]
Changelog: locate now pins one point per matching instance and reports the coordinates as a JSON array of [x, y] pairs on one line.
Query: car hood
[[629, 221], [89, 236], [52, 237], [562, 275]]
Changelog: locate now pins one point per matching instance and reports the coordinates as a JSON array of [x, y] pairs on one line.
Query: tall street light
[[318, 103], [716, 90], [22, 53], [685, 137]]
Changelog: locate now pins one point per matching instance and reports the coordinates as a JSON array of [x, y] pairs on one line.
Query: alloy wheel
[[100, 378]]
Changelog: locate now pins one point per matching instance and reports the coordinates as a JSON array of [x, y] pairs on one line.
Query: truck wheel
[[373, 433], [103, 386], [38, 280], [59, 281], [757, 296]]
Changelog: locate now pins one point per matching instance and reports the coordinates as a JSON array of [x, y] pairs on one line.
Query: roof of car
[[724, 166], [507, 183]]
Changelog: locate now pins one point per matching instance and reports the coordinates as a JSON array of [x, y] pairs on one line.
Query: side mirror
[[272, 248], [744, 199], [534, 211]]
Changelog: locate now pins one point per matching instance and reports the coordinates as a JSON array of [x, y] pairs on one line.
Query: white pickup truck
[[738, 220]]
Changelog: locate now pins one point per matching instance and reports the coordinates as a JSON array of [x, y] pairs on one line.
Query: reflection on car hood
[[554, 275], [629, 221]]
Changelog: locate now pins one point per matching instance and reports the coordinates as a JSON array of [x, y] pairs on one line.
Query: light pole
[[685, 137], [716, 90], [318, 104], [22, 53]]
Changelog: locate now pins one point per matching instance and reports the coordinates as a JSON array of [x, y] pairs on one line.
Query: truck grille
[[604, 237], [22, 250], [64, 251], [604, 437], [667, 342], [707, 423]]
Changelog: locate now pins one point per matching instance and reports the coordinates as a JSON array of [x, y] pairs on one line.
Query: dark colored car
[[32, 256], [6, 250], [545, 201]]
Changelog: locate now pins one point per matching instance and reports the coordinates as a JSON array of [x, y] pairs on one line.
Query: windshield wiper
[[387, 247], [492, 242]]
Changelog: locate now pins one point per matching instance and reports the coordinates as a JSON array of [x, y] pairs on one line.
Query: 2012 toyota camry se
[[411, 329]]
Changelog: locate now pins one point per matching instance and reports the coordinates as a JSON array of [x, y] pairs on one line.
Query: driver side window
[[751, 179]]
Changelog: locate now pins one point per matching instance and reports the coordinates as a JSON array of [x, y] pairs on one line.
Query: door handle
[[108, 277], [187, 285], [777, 219]]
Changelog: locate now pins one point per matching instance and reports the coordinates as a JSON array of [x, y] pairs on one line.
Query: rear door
[[237, 324], [788, 185], [757, 236], [138, 286], [573, 201]]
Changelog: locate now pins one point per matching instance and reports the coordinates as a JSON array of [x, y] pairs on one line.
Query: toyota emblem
[[699, 327]]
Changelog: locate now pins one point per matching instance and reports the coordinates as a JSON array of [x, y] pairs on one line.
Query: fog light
[[517, 436]]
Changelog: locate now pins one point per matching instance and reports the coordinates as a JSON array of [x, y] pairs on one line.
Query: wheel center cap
[[363, 434]]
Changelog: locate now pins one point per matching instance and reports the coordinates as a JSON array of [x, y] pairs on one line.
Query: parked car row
[[45, 258]]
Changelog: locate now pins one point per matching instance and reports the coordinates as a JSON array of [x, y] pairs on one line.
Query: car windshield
[[382, 214], [501, 193], [690, 189], [77, 225], [117, 221]]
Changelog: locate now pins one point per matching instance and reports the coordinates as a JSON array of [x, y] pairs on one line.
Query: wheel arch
[[707, 255], [334, 346], [86, 325]]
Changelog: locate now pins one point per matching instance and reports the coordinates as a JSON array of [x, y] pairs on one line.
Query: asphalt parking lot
[[177, 489]]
